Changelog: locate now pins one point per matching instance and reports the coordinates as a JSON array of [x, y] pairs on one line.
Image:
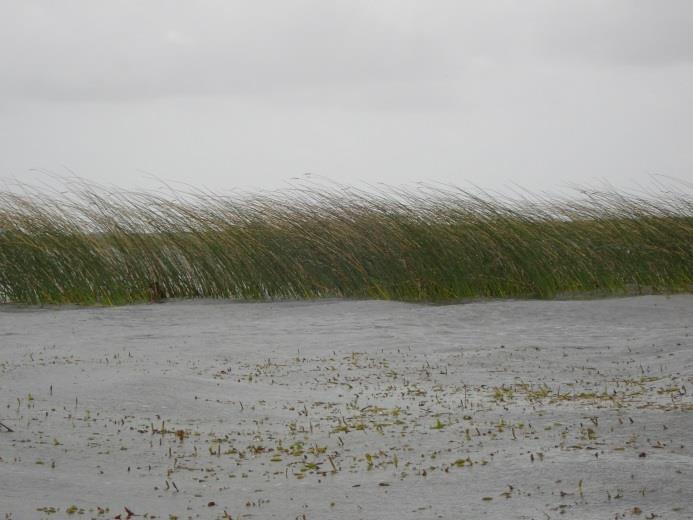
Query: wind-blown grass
[[91, 245]]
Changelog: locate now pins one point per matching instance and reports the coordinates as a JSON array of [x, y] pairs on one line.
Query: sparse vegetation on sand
[[91, 245]]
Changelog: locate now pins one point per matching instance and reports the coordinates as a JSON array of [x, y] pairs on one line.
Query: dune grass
[[92, 245]]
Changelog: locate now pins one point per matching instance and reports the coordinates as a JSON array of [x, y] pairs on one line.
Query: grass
[[91, 245]]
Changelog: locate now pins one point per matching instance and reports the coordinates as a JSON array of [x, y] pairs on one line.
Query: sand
[[349, 409]]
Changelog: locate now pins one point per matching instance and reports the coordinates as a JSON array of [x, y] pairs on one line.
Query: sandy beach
[[348, 409]]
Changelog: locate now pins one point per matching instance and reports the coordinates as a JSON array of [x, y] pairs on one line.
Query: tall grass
[[92, 245]]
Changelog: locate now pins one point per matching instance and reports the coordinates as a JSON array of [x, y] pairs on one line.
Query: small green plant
[[438, 425]]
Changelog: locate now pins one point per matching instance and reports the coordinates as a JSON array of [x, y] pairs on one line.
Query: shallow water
[[349, 409]]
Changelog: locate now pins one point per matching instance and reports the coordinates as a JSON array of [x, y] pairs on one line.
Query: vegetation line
[[91, 245]]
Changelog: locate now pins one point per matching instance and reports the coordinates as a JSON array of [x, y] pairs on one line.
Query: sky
[[238, 94]]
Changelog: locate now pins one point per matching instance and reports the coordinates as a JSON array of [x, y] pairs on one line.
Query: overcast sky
[[228, 94]]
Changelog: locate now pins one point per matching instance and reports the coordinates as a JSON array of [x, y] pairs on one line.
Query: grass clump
[[91, 245]]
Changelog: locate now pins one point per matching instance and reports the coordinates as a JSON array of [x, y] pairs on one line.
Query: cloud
[[621, 32], [335, 52]]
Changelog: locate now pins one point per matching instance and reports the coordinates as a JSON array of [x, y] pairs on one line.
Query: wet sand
[[349, 409]]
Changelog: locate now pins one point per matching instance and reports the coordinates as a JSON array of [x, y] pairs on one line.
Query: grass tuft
[[90, 245]]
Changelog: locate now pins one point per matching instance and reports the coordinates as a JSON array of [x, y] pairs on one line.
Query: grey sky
[[230, 93]]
